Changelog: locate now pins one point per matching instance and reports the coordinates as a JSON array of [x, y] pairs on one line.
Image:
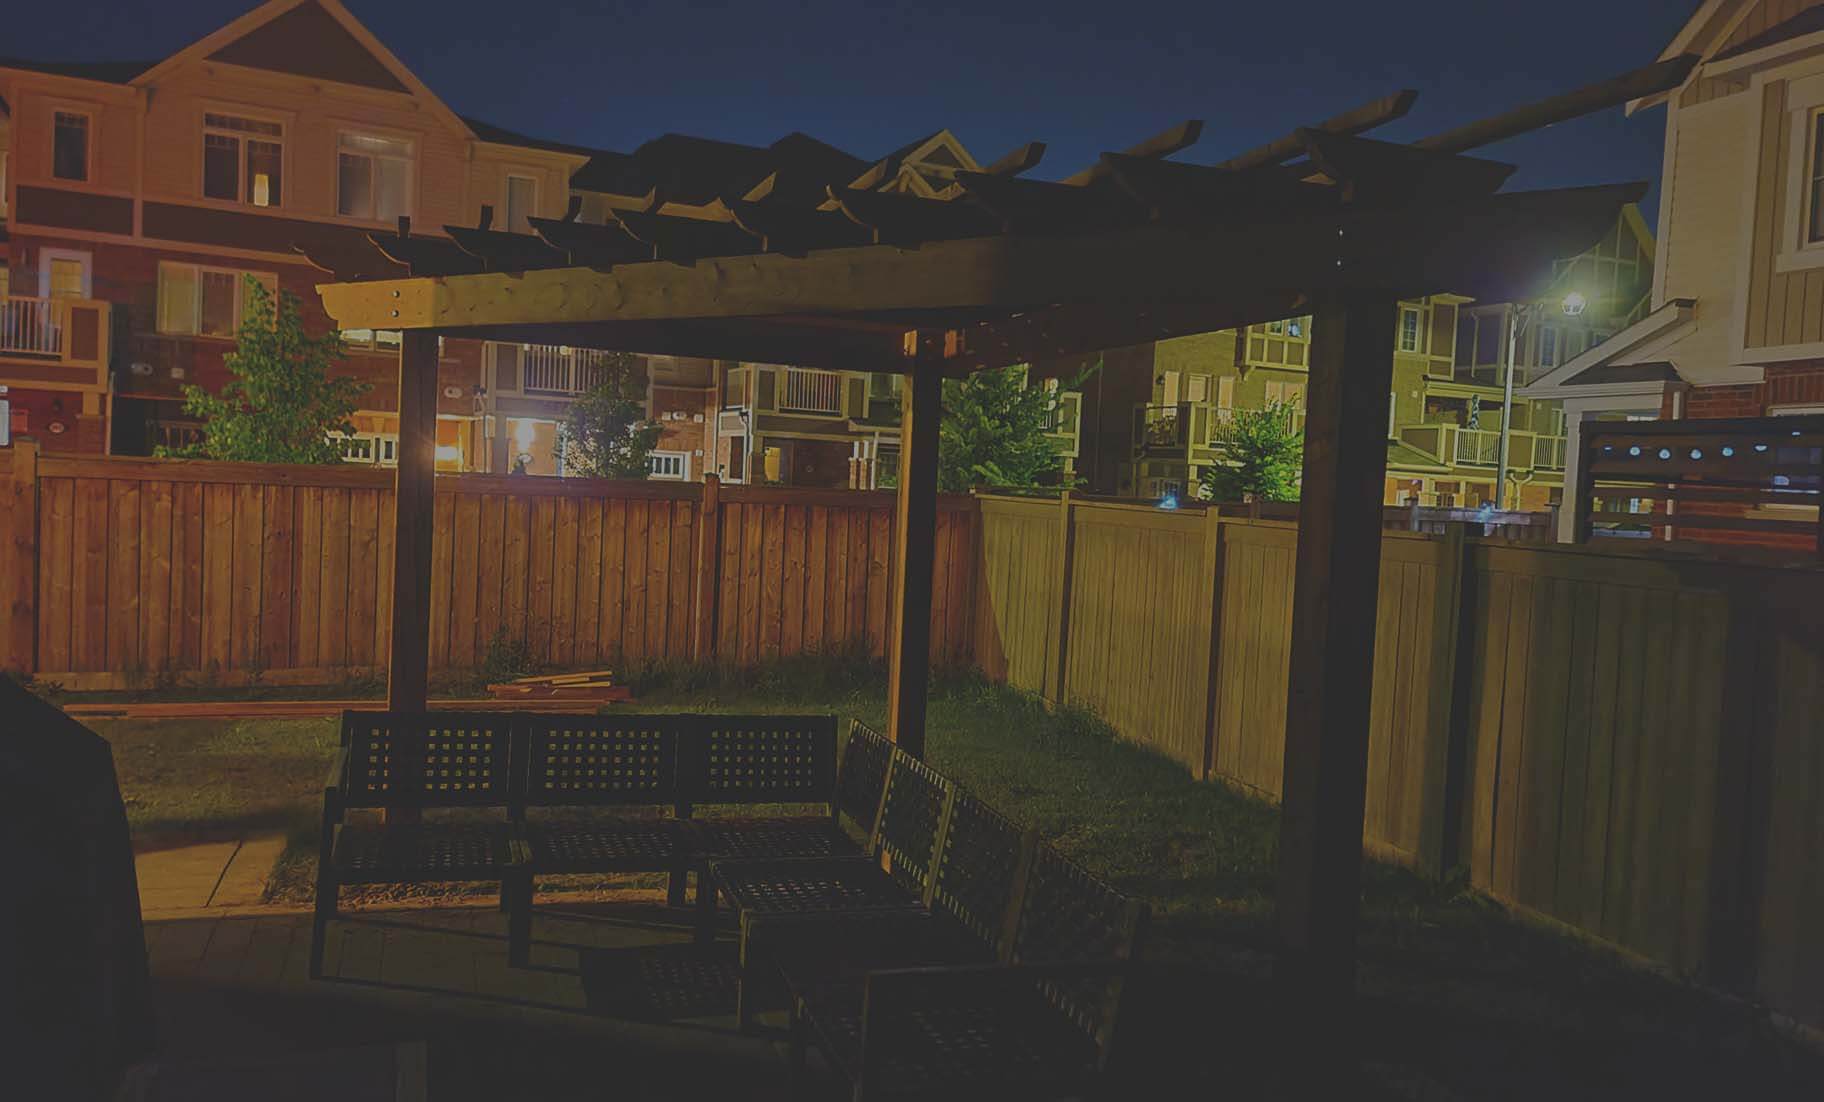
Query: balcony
[[57, 332], [803, 390], [551, 369], [1460, 447], [1162, 431]]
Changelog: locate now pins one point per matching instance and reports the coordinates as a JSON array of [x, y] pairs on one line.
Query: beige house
[[1736, 322]]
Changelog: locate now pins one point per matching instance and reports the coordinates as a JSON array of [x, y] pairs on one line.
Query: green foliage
[[1263, 454], [605, 433], [994, 431], [284, 403], [508, 660]]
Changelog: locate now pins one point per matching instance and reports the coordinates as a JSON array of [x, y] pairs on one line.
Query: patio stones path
[[206, 874]]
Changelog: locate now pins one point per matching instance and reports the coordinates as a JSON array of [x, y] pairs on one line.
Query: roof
[[1809, 21], [500, 135], [696, 171], [107, 72], [1402, 457]]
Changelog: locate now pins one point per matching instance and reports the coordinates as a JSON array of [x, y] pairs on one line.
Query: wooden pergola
[[1000, 270]]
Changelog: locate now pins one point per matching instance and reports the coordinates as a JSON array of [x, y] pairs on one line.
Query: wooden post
[[1332, 666], [415, 490], [914, 558], [1060, 613], [18, 649], [709, 561], [1212, 569], [1583, 501]]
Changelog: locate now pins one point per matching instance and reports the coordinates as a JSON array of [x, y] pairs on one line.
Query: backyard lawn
[[1471, 1001]]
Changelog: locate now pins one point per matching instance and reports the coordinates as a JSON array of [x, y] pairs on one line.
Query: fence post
[[1452, 670], [1741, 830], [709, 575], [20, 574], [1060, 615], [1212, 569]]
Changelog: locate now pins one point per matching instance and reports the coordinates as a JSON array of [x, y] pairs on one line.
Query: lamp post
[[1522, 313]]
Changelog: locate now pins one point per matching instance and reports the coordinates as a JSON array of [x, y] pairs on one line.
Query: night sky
[[1083, 77]]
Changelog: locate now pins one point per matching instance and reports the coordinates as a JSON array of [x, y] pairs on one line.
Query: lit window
[[70, 146], [1409, 330], [379, 339], [243, 160], [373, 178], [522, 203], [206, 302]]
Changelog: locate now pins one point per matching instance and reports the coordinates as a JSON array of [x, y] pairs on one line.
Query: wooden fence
[[1626, 741], [118, 572]]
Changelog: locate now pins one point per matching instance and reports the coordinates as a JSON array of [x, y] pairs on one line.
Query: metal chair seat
[[607, 844], [1008, 1046], [769, 838], [422, 852], [800, 885]]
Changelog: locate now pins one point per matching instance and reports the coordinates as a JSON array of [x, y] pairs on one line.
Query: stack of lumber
[[596, 685]]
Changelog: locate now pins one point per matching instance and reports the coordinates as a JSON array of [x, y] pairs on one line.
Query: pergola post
[[414, 482], [914, 555], [1332, 669]]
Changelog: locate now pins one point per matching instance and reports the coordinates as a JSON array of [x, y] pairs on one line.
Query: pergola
[[999, 270]]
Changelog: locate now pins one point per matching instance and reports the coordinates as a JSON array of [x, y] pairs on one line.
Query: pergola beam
[[1357, 120], [1416, 250], [1650, 80]]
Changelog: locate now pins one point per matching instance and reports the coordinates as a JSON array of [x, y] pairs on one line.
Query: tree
[[1262, 456], [995, 429], [605, 433], [283, 403]]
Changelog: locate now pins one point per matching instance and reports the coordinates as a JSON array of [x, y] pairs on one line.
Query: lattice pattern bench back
[[1066, 914], [763, 760], [978, 868], [427, 759], [866, 757], [574, 761], [911, 821]]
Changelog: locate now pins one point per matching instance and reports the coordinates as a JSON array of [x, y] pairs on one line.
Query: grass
[[1477, 994]]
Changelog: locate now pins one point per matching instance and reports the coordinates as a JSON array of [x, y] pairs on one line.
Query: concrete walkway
[[208, 874]]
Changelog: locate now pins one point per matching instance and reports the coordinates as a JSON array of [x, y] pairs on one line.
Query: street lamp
[[1572, 305]]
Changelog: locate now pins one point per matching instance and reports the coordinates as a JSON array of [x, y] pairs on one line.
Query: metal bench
[[914, 807], [455, 765], [674, 767], [1038, 1024]]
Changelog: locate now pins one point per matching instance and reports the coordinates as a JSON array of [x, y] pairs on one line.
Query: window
[[369, 447], [668, 465], [1411, 333], [205, 302], [1393, 406], [1548, 346], [1814, 188], [70, 145], [1293, 393], [373, 178], [382, 340], [1197, 388], [243, 160], [522, 203]]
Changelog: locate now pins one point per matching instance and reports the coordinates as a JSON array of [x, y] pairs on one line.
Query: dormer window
[[243, 160]]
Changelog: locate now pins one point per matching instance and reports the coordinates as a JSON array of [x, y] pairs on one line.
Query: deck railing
[[807, 391], [552, 369], [71, 332]]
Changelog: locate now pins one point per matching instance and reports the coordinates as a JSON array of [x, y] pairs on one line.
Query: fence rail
[[1625, 740]]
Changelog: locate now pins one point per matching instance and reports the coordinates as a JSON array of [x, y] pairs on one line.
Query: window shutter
[[766, 392], [857, 404], [506, 367], [1225, 392], [1444, 331], [176, 298]]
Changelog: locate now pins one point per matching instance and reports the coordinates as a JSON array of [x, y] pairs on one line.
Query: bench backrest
[[911, 823], [427, 759], [862, 774], [978, 869], [601, 760], [1068, 915], [762, 759]]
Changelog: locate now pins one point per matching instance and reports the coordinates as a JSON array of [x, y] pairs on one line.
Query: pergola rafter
[[998, 270]]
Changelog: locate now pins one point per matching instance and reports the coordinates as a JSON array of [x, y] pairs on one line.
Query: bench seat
[[607, 844], [760, 838], [419, 852]]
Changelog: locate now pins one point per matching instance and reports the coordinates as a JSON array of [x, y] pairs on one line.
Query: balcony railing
[[70, 332], [807, 391], [1161, 430], [1479, 448], [551, 369], [1463, 447]]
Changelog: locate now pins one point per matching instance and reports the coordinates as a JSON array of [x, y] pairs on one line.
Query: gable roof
[[500, 135], [1809, 21], [697, 171], [308, 41], [263, 39]]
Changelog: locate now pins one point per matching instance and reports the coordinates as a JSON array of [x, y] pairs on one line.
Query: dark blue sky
[[1082, 76]]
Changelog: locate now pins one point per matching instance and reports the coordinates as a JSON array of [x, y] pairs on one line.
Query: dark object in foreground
[[75, 1003]]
